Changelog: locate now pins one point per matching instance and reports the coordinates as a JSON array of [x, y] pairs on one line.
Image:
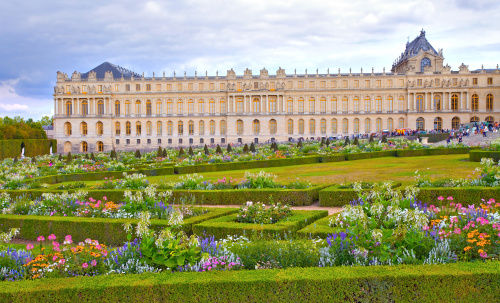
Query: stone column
[[449, 101]]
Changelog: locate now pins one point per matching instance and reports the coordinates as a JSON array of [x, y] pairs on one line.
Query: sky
[[39, 38]]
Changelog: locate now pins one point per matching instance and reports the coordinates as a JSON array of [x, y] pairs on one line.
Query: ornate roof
[[420, 43], [117, 71]]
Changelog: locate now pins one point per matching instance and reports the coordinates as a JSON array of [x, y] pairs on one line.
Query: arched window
[[390, 104], [67, 129], [454, 102], [170, 107], [83, 128], [378, 125], [159, 128], [223, 107], [201, 127], [149, 128], [345, 126], [401, 101], [455, 123], [100, 107], [69, 108], [256, 105], [290, 126], [490, 119], [378, 103], [170, 128], [239, 105], [289, 105], [85, 107], [312, 126], [272, 104], [474, 119], [159, 108], [323, 126], [138, 128], [117, 108], [312, 105], [334, 126], [84, 147], [239, 127], [420, 103], [211, 106], [301, 105], [390, 124], [322, 105], [272, 126], [345, 104], [128, 128], [425, 62], [356, 125], [190, 107], [489, 102], [180, 107], [180, 128], [138, 107], [401, 123], [438, 123], [201, 107], [191, 127], [117, 128], [420, 124], [368, 126], [99, 128], [256, 126], [100, 146], [301, 126], [223, 127], [334, 105], [355, 104], [475, 102], [127, 108], [212, 127], [368, 104], [437, 102]]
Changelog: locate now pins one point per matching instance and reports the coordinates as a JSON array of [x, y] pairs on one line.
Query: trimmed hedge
[[334, 197], [105, 230], [227, 225], [477, 155], [317, 229], [458, 282], [432, 151], [433, 138], [370, 155], [32, 147]]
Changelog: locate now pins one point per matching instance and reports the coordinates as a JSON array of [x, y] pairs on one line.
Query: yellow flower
[[467, 248]]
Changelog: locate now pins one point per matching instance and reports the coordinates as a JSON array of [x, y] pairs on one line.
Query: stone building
[[112, 107]]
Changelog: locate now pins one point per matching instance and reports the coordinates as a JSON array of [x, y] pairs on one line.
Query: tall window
[[138, 108], [190, 107], [138, 128], [201, 106], [191, 127], [117, 108], [117, 128], [334, 126], [256, 126], [323, 126], [345, 126], [256, 105], [378, 124], [239, 105], [322, 105], [437, 102], [301, 105], [289, 105], [128, 128], [454, 102], [223, 127], [99, 127], [159, 108], [401, 123], [127, 108], [212, 127], [420, 123], [85, 147], [272, 126], [425, 62], [312, 126], [312, 105], [211, 106], [368, 104], [170, 107], [334, 105], [475, 102], [455, 122], [272, 104], [100, 107], [290, 126], [180, 128], [390, 104], [85, 107], [401, 105], [345, 104], [67, 129], [149, 110], [390, 124], [474, 119], [180, 107], [84, 128], [356, 125], [239, 127], [159, 128], [489, 102], [201, 127], [223, 107], [149, 128], [170, 128], [100, 146], [355, 104], [438, 123], [301, 126], [420, 103], [378, 104], [69, 108], [368, 126]]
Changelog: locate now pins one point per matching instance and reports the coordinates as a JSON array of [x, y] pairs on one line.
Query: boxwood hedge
[[477, 155], [32, 147]]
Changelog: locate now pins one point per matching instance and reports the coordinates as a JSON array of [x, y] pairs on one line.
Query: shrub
[[69, 159], [245, 148], [218, 150], [229, 148], [258, 213], [181, 152], [159, 153], [137, 154], [252, 148]]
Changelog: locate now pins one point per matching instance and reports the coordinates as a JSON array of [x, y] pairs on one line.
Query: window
[[222, 86], [99, 127], [238, 87], [272, 86], [149, 110], [223, 127], [301, 105], [455, 122], [474, 119], [490, 119], [312, 105], [211, 106], [289, 85], [334, 126], [190, 86], [356, 83], [420, 103], [345, 126], [83, 128], [401, 123], [212, 127], [425, 62], [390, 124], [159, 108], [100, 146], [437, 102], [368, 105], [390, 104], [128, 128], [180, 128], [69, 108], [454, 102], [378, 104], [345, 104], [438, 123], [419, 82], [401, 101], [437, 82], [127, 108], [490, 81], [301, 126], [312, 126], [356, 125], [420, 124], [84, 146], [99, 89], [137, 87], [149, 128], [322, 105], [474, 81], [489, 102], [272, 126], [180, 106], [272, 104], [289, 105], [138, 128], [290, 126], [211, 86], [201, 127], [344, 83], [201, 107], [158, 87], [378, 125], [159, 128], [67, 129], [170, 128], [190, 107], [334, 105], [223, 108], [475, 102], [311, 84], [148, 87], [256, 105], [239, 105], [127, 87], [323, 84], [84, 89], [455, 81], [117, 128], [368, 126], [379, 83], [301, 84], [191, 127], [323, 126], [170, 107], [355, 104], [117, 108], [389, 83], [201, 86], [239, 127], [256, 126], [100, 107], [169, 87], [334, 83], [367, 83], [179, 86], [138, 108]]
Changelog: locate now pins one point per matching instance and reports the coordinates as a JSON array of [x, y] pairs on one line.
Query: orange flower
[[467, 248]]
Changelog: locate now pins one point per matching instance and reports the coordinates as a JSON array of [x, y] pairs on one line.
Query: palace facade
[[112, 107]]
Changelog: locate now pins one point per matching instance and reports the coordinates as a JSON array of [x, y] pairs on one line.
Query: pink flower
[[85, 265], [440, 198], [457, 231], [62, 261], [104, 198], [450, 198], [40, 239], [54, 258], [52, 237], [30, 246], [425, 228], [490, 201], [93, 263]]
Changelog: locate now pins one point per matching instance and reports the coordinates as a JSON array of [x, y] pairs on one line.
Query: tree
[[60, 157], [69, 158], [46, 121], [371, 139], [327, 142], [347, 141], [322, 142], [218, 150], [384, 139], [205, 149], [252, 148], [299, 145], [190, 151], [137, 154], [181, 152], [229, 148], [164, 153], [92, 157], [245, 148], [159, 153], [356, 141]]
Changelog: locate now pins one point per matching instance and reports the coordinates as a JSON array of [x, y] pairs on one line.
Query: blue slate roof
[[117, 71], [413, 48]]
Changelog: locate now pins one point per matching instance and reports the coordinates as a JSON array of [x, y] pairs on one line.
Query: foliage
[[258, 213]]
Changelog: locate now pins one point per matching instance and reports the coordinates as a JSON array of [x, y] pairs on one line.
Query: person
[[50, 162], [460, 138], [485, 132], [448, 140]]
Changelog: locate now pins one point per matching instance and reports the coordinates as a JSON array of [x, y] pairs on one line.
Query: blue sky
[[39, 38]]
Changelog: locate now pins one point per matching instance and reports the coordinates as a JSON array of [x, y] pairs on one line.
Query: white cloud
[[13, 104]]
